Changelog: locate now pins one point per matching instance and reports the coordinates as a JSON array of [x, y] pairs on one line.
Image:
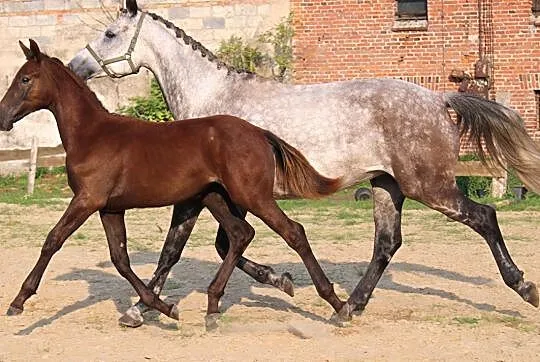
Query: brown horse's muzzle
[[7, 118], [5, 122]]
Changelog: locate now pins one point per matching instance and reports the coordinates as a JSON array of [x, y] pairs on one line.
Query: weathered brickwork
[[345, 39], [62, 27]]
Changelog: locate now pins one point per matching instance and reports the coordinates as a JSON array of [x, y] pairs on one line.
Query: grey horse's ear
[[32, 53], [131, 6]]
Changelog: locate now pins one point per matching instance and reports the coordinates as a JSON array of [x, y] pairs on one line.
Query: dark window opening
[[537, 103], [413, 9], [536, 7]]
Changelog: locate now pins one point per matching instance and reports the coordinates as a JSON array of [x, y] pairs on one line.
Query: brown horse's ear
[[35, 49], [27, 52], [131, 6], [33, 53]]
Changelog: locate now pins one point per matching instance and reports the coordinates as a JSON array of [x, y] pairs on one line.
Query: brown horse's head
[[28, 91]]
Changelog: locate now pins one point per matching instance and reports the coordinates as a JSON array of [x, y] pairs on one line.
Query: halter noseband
[[127, 56]]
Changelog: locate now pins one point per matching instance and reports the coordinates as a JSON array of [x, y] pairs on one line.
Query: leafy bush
[[277, 62], [280, 38], [473, 186], [152, 108], [240, 54]]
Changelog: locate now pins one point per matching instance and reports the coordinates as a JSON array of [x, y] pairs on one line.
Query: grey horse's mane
[[197, 46]]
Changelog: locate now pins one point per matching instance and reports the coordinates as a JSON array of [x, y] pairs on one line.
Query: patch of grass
[[80, 236], [471, 321], [50, 188]]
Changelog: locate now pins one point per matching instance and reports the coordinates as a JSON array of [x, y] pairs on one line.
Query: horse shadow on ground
[[191, 275]]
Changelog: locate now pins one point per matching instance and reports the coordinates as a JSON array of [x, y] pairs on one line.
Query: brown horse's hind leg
[[294, 235], [261, 273], [115, 230], [388, 201], [483, 220], [182, 223], [240, 235], [75, 215]]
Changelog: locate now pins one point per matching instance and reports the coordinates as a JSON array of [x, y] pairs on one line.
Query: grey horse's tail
[[296, 175], [503, 133]]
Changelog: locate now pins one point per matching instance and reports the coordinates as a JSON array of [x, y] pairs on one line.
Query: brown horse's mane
[[78, 81], [197, 46]]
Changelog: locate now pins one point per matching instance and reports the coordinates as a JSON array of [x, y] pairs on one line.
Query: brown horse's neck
[[76, 108]]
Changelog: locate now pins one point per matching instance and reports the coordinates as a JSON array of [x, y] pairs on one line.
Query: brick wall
[[62, 27], [345, 39]]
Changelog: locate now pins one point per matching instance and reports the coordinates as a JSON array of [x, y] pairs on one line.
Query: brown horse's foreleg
[[293, 233], [75, 215], [115, 230], [483, 220], [388, 201], [182, 223]]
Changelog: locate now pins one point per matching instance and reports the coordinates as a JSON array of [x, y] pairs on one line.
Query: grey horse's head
[[113, 52]]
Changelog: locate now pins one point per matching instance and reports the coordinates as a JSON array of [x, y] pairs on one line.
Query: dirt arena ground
[[441, 299]]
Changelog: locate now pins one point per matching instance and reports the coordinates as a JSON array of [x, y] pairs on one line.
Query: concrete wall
[[62, 27]]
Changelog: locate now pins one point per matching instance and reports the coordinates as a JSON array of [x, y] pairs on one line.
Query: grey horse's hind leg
[[388, 201], [483, 220]]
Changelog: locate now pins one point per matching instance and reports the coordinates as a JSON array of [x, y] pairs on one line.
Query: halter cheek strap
[[127, 56]]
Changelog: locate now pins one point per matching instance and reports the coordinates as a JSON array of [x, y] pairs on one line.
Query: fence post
[[498, 185], [33, 165]]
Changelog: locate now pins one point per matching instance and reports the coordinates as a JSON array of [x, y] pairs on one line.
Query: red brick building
[[491, 47]]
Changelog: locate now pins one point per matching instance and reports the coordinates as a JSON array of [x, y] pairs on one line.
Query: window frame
[[535, 7], [411, 16], [537, 107]]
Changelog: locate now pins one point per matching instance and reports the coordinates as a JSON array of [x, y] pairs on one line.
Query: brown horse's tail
[[503, 133], [295, 176]]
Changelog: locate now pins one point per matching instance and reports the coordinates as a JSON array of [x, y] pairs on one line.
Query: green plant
[[152, 107], [473, 186], [280, 38], [240, 54], [247, 55]]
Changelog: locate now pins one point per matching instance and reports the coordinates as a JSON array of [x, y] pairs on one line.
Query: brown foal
[[115, 163]]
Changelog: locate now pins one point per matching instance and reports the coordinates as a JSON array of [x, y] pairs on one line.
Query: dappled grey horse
[[398, 135]]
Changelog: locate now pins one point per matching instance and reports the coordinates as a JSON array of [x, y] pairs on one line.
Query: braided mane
[[197, 46]]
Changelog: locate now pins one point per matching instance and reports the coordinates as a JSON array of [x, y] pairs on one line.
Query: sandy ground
[[441, 299]]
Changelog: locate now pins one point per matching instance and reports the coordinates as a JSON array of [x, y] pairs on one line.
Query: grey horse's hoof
[[286, 284], [344, 316], [211, 321], [132, 318], [529, 293], [13, 311]]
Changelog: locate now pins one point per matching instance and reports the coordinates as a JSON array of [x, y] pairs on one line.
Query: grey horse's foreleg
[[182, 223]]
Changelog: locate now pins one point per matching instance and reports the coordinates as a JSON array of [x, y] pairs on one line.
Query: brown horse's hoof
[[14, 311], [529, 293], [211, 321], [287, 284], [174, 313], [132, 318]]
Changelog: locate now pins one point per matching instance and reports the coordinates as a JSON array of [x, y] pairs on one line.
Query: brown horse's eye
[[109, 34], [25, 80]]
